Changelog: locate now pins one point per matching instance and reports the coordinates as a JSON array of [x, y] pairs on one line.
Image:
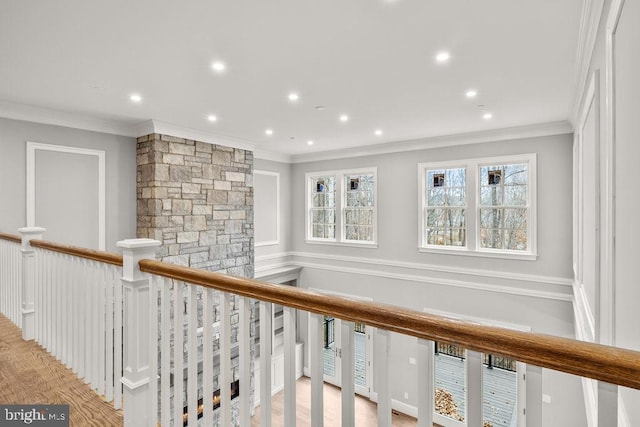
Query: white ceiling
[[371, 59]]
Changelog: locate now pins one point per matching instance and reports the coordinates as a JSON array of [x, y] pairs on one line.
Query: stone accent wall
[[197, 199]]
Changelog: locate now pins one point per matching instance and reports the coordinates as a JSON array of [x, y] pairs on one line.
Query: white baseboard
[[398, 406]]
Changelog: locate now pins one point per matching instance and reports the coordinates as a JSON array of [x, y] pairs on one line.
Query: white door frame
[[363, 391]]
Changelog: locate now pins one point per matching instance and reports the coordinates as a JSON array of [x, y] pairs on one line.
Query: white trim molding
[[32, 147], [472, 187], [545, 287], [156, 126], [494, 135], [607, 281], [589, 24], [277, 176], [340, 207], [31, 113]]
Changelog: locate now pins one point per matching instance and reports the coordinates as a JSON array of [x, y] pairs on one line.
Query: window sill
[[365, 245], [482, 254]]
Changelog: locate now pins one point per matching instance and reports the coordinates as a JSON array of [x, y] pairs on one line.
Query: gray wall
[[627, 200], [398, 205], [345, 269], [286, 229], [626, 292], [120, 174]]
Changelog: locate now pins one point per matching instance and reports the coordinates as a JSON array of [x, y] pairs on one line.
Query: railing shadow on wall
[[156, 338]]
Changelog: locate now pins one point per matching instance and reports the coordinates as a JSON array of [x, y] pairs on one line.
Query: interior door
[[332, 358]]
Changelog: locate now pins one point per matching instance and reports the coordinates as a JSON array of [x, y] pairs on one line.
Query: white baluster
[[382, 379], [90, 330], [192, 354], [28, 281], [607, 404], [244, 337], [102, 322], [426, 383], [136, 329], [64, 291], [474, 388], [178, 352], [533, 407], [225, 360], [56, 311], [109, 334], [82, 317], [266, 311], [289, 366], [153, 349], [316, 369], [207, 356], [118, 342], [348, 374], [165, 353], [74, 302]]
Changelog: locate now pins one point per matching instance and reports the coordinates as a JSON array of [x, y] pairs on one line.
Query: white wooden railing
[[11, 278], [70, 302], [177, 348]]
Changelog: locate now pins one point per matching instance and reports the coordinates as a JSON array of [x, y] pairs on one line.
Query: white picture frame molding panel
[[32, 148], [607, 280], [276, 240], [586, 315]]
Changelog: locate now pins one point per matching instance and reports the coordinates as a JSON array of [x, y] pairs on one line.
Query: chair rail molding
[[546, 287]]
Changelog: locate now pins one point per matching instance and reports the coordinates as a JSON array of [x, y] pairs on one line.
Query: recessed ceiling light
[[344, 118], [487, 116], [218, 67], [212, 118], [309, 142], [442, 57], [471, 93], [135, 97], [293, 96], [378, 132], [269, 131]]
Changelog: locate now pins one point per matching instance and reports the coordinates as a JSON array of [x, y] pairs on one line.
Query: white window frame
[[341, 192], [472, 219]]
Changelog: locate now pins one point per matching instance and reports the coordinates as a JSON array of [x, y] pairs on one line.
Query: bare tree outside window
[[359, 207], [504, 208], [323, 210], [445, 211]]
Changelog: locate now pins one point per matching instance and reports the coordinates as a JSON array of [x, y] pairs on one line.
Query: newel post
[[136, 372], [28, 280]]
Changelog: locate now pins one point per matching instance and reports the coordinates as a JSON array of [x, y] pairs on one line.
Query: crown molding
[[31, 113], [519, 132], [589, 24], [164, 128], [272, 156]]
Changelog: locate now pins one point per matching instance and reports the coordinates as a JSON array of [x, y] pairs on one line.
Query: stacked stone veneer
[[197, 199]]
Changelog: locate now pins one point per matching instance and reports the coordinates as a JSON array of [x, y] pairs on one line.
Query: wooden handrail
[[611, 364], [95, 255], [11, 237]]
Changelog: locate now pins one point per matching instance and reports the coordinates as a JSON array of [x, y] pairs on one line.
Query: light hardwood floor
[[30, 375], [365, 409]]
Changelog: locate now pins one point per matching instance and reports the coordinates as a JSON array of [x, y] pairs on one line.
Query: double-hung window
[[341, 207], [480, 207], [444, 213]]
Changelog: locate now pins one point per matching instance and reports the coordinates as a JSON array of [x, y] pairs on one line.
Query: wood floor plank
[[30, 375], [366, 411]]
